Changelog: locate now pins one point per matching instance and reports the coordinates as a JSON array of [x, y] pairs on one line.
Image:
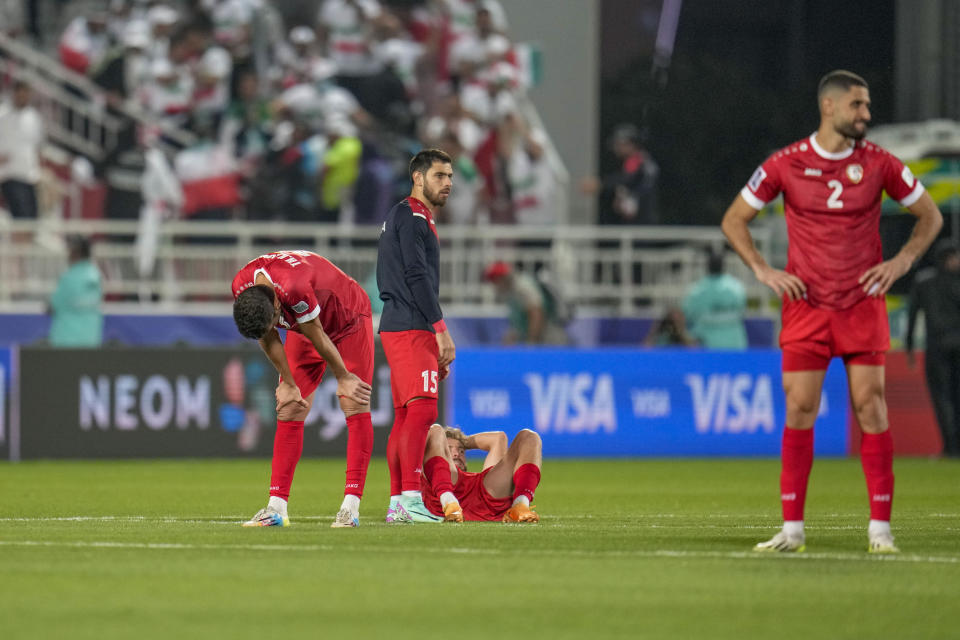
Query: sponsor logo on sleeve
[[757, 179], [301, 307], [907, 176]]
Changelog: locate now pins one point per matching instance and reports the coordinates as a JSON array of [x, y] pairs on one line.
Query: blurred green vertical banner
[[529, 63]]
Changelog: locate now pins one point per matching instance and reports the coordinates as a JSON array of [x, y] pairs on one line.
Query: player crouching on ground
[[502, 491]]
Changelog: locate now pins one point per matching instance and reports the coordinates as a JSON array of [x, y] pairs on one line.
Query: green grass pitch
[[625, 549]]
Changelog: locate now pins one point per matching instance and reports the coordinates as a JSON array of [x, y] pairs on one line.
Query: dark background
[[741, 83]]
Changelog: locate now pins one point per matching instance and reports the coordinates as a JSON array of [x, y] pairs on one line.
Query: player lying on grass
[[501, 491]]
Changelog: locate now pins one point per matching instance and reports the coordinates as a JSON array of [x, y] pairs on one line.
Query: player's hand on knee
[[444, 372], [350, 386], [288, 393], [782, 283]]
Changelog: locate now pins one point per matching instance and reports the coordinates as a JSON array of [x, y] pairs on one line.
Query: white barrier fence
[[616, 271]]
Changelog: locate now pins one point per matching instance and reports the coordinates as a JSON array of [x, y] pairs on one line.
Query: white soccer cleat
[[268, 517], [396, 514], [882, 543], [782, 543], [345, 519]]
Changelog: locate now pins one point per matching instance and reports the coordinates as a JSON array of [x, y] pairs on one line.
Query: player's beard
[[434, 197], [849, 130]]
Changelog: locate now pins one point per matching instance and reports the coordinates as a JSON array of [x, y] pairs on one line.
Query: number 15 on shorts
[[429, 380]]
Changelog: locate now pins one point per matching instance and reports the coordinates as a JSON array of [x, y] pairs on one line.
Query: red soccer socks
[[876, 456], [359, 450], [437, 470], [525, 481], [796, 457], [413, 439], [287, 448], [393, 449]]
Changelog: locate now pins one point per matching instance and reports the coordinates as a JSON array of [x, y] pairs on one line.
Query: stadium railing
[[74, 109], [613, 271]]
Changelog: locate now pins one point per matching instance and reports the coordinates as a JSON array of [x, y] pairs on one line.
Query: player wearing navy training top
[[415, 339], [833, 287], [328, 322]]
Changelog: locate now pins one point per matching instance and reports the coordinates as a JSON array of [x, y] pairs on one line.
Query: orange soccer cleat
[[452, 512], [520, 513]]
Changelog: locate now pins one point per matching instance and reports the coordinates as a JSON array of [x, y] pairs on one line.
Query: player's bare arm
[[348, 384], [877, 280], [735, 227], [287, 392], [495, 443]]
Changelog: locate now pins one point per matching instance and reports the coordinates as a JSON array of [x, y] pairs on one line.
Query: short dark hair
[[627, 132], [79, 246], [840, 79], [943, 250], [425, 159], [253, 311], [714, 261]]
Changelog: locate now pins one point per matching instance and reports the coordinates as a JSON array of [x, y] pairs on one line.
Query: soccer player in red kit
[[833, 287], [415, 338], [328, 321], [502, 491]]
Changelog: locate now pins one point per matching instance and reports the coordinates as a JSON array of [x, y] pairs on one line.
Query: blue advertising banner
[[631, 402], [6, 382]]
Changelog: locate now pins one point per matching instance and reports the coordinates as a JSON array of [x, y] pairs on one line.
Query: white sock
[[793, 528], [352, 503], [524, 500], [412, 494], [394, 498], [446, 498], [278, 504], [878, 527]]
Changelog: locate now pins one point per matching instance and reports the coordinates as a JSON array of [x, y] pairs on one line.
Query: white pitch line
[[637, 519], [207, 518], [657, 553]]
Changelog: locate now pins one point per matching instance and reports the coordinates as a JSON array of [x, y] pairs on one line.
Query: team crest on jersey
[[855, 173], [301, 307]]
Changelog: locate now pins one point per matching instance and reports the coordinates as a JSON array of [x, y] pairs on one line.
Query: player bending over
[[502, 491], [328, 322]]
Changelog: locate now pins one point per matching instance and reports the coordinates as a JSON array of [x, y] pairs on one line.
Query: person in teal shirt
[[77, 320], [715, 306]]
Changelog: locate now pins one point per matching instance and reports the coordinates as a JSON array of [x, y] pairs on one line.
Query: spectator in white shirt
[[21, 135], [348, 25]]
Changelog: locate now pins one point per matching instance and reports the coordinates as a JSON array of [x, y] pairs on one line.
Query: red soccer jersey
[[832, 206], [309, 286]]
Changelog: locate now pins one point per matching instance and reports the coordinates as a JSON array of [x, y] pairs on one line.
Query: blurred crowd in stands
[[312, 115]]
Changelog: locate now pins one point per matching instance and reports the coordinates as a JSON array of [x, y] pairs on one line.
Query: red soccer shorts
[[475, 501], [308, 367], [412, 356], [810, 337]]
